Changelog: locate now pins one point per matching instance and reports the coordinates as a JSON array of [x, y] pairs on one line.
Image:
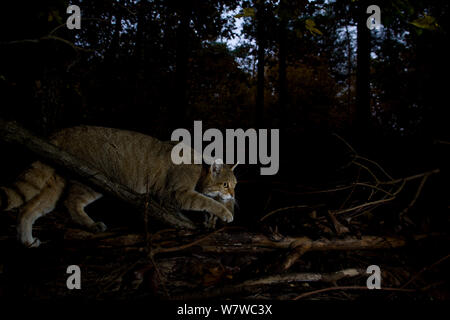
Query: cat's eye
[[225, 184]]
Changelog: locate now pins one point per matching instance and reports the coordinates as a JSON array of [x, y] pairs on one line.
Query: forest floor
[[314, 241], [127, 262]]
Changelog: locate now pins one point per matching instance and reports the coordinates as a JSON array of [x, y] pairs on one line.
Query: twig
[[376, 164], [338, 227], [433, 285], [157, 250], [400, 188], [366, 184], [52, 37], [357, 156], [49, 37], [297, 253], [82, 19], [336, 189], [364, 205], [413, 201], [379, 183], [346, 143], [368, 170], [425, 269], [159, 275], [351, 192], [185, 246], [128, 9], [124, 270], [410, 178], [306, 294], [282, 209], [362, 184]]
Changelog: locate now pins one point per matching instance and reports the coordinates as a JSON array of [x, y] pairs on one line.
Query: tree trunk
[[139, 48], [282, 54], [182, 56], [362, 71], [115, 43], [260, 38], [349, 68]]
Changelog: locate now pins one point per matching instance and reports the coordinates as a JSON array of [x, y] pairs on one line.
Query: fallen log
[[227, 240], [249, 286], [12, 133]]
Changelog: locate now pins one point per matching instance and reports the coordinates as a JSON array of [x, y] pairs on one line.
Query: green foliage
[[311, 27], [426, 22], [54, 15], [246, 12]]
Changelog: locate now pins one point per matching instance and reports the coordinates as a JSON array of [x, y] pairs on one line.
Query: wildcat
[[140, 162]]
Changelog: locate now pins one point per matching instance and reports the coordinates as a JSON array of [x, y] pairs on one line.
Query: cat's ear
[[216, 167]]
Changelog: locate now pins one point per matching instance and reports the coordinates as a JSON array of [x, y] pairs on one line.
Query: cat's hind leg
[[79, 196], [41, 204]]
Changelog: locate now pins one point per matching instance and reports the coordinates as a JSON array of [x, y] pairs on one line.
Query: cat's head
[[219, 181]]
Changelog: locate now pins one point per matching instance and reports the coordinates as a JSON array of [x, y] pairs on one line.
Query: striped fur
[[138, 161]]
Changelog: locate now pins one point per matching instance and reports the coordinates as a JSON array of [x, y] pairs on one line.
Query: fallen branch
[[250, 285], [425, 269], [12, 133], [307, 294], [225, 241], [366, 242]]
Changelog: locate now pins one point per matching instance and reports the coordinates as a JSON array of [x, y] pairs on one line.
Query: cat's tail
[[27, 186]]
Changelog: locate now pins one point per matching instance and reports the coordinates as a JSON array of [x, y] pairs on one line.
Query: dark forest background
[[300, 65], [311, 68]]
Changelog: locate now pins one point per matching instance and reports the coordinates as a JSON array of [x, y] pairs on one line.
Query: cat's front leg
[[192, 200]]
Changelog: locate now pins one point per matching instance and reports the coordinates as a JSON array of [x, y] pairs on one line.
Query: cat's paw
[[226, 215], [98, 227]]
